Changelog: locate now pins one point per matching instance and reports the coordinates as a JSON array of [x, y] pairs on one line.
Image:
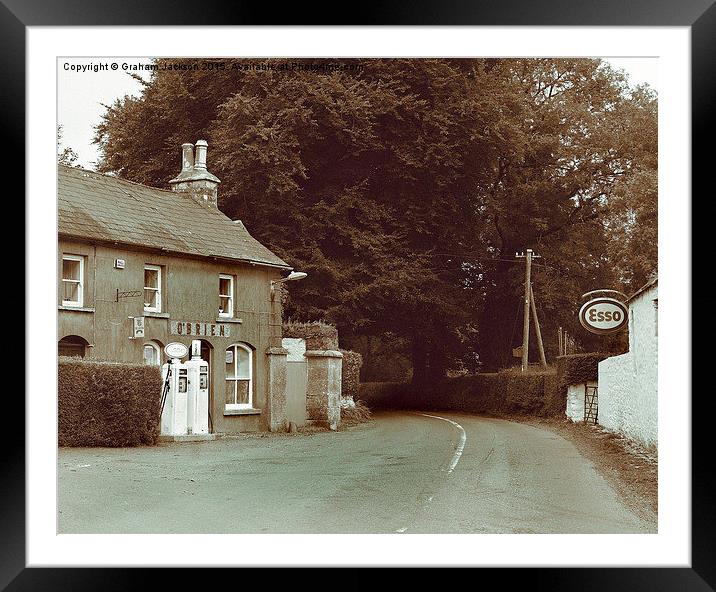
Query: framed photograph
[[375, 239]]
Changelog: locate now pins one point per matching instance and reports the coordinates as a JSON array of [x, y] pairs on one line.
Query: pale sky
[[80, 95]]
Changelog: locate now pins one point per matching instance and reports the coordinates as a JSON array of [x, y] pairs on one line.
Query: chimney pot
[[201, 148], [187, 157], [194, 179]]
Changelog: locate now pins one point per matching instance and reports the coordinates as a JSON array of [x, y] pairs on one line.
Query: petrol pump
[[174, 398], [185, 397], [198, 391]]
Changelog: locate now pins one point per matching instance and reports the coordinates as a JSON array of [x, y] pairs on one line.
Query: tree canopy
[[405, 186]]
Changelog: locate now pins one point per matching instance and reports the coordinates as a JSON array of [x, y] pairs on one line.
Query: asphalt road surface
[[403, 472]]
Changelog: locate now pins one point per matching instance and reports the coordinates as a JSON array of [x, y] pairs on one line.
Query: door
[[206, 356], [296, 392]]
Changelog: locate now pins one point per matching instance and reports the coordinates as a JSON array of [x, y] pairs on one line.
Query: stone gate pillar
[[323, 390], [276, 388]]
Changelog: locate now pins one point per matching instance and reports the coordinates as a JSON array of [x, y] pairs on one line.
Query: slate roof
[[97, 207]]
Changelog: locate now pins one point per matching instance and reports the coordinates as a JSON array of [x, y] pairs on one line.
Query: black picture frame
[[699, 15]]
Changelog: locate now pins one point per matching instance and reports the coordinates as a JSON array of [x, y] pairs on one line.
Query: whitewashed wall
[[575, 400], [628, 384]]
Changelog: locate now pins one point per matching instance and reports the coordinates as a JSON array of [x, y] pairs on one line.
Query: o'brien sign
[[199, 329], [603, 315]]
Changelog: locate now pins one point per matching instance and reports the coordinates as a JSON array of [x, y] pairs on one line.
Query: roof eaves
[[644, 288], [166, 251]]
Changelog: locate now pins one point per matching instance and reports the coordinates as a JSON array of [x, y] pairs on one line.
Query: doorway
[[206, 355]]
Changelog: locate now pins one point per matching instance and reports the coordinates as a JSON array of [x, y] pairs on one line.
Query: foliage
[[579, 368], [404, 187], [318, 334], [107, 404], [386, 358], [358, 414], [350, 373], [65, 154], [504, 393]]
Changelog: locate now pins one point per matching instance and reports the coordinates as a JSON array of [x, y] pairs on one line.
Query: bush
[[318, 334], [386, 395], [351, 416], [579, 368], [504, 393], [107, 404], [350, 374]]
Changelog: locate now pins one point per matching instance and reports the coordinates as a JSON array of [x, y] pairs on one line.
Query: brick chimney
[[194, 178]]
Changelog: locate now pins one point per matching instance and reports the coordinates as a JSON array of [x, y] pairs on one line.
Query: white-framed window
[[226, 295], [73, 270], [239, 383], [152, 288], [152, 354]]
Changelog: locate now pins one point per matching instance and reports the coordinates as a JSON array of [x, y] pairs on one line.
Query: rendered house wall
[[190, 293]]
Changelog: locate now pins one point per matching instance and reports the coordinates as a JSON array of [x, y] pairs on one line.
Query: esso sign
[[603, 315], [176, 350]]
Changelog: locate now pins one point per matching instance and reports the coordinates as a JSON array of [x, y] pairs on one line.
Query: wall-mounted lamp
[[293, 276]]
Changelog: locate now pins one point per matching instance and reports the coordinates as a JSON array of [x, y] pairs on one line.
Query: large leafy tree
[[404, 186], [555, 190]]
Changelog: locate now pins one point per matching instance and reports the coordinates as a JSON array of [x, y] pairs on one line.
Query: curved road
[[404, 472]]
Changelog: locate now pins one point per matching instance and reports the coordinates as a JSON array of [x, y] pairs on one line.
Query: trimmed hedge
[[318, 335], [350, 373], [504, 393], [107, 404], [579, 368]]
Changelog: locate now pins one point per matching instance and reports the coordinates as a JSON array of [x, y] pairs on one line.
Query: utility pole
[[528, 300], [526, 317]]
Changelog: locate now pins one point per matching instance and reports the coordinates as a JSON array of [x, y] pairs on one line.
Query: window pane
[[230, 363], [151, 278], [70, 269], [242, 392], [150, 298], [224, 287], [71, 291], [224, 304], [242, 363], [150, 356], [230, 392]]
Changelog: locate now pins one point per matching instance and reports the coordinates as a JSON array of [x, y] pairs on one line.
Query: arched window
[[152, 354], [72, 345], [239, 374]]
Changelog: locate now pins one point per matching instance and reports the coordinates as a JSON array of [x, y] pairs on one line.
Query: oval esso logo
[[603, 315], [176, 350]]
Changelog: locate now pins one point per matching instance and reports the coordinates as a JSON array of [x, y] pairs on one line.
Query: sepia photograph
[[385, 295]]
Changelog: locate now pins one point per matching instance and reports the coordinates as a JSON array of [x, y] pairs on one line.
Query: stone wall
[[323, 390]]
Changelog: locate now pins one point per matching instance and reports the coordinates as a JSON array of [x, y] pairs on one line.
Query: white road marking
[[460, 446], [456, 456]]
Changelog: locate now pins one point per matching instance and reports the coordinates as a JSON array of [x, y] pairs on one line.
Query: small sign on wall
[[119, 263], [138, 327], [199, 329]]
